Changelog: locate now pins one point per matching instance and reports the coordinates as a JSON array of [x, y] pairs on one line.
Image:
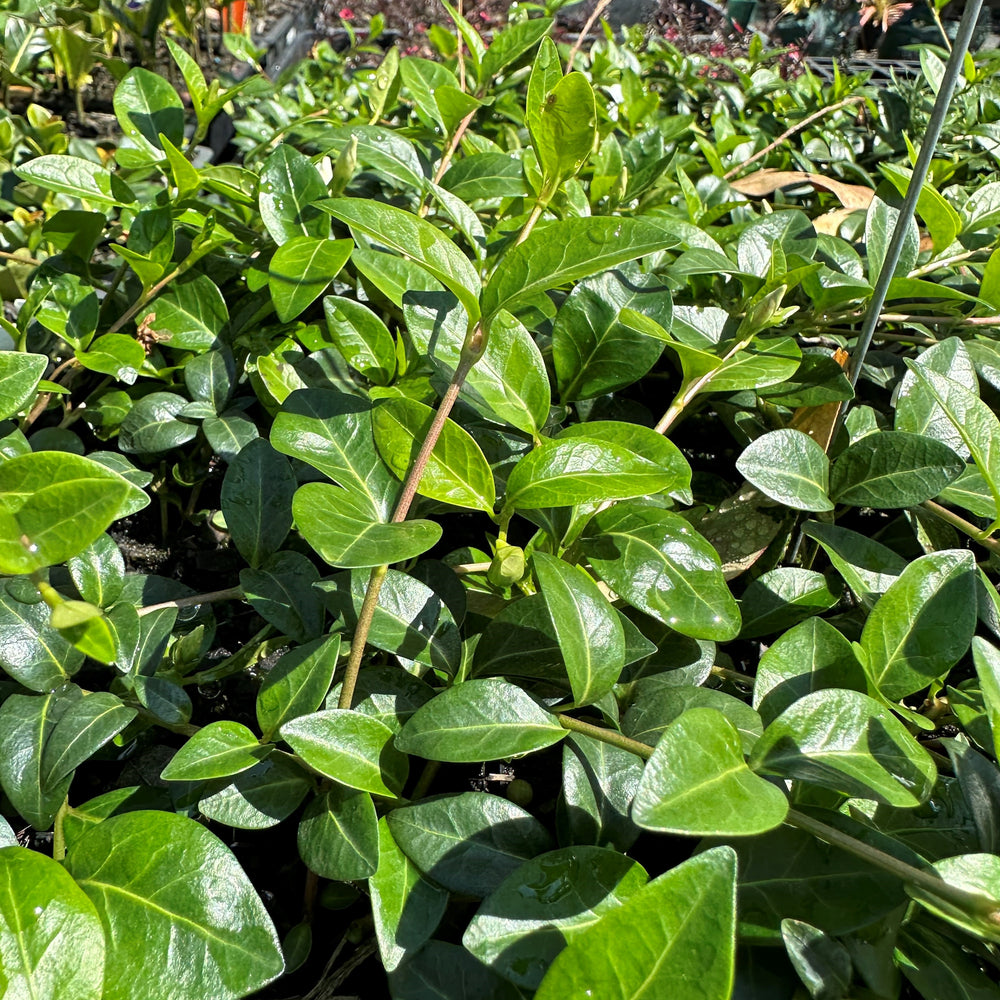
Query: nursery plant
[[573, 480]]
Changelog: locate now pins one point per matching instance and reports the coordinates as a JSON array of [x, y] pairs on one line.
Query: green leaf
[[675, 937], [812, 656], [406, 908], [987, 660], [581, 470], [893, 469], [300, 270], [33, 652], [415, 238], [87, 628], [50, 934], [540, 908], [486, 175], [26, 724], [282, 593], [98, 571], [563, 128], [259, 797], [85, 726], [848, 742], [790, 467], [457, 471], [169, 890], [592, 350], [349, 747], [338, 526], [52, 506], [880, 223], [467, 843], [256, 500], [783, 596], [386, 693], [76, 177], [288, 190], [823, 964], [147, 105], [116, 355], [361, 337], [698, 783], [868, 567], [410, 620], [331, 431], [448, 970], [191, 311], [479, 720], [338, 835], [975, 873], [922, 625], [590, 633], [658, 563], [19, 375], [561, 252], [217, 750], [297, 684], [937, 966], [511, 44], [153, 424]]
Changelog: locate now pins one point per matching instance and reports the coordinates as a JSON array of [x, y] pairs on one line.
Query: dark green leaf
[[147, 105], [19, 375], [191, 312], [85, 726], [782, 597], [300, 270], [289, 187], [217, 750], [447, 970], [282, 593], [297, 684], [822, 963], [258, 798], [33, 652], [98, 571], [338, 835], [152, 425], [868, 567], [788, 466]]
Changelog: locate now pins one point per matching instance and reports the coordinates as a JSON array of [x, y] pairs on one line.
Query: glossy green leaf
[[353, 749], [880, 223], [509, 45], [467, 843], [388, 694], [922, 625], [521, 641], [289, 188], [52, 506], [848, 742], [217, 750], [168, 889], [781, 597], [457, 471], [675, 937], [415, 238], [147, 105], [190, 312], [479, 720], [19, 375], [893, 469], [259, 797], [975, 873], [362, 337], [301, 269], [51, 937], [410, 620], [282, 593], [812, 656], [522, 925], [659, 564], [76, 177], [406, 908], [823, 964], [788, 466], [561, 252], [868, 567], [297, 684], [590, 633], [98, 571], [256, 500], [698, 783], [33, 652], [153, 424], [85, 726], [338, 835], [116, 355], [598, 784], [987, 660], [331, 431], [563, 127]]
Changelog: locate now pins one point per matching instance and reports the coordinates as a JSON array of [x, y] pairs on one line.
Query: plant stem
[[609, 736], [230, 594], [14, 258], [936, 320], [931, 266], [930, 882], [425, 780], [471, 353], [601, 7], [58, 833], [798, 127], [145, 299], [536, 214], [920, 169], [966, 527]]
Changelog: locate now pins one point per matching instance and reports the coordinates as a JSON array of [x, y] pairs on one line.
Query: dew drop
[[716, 618], [38, 911], [673, 620]]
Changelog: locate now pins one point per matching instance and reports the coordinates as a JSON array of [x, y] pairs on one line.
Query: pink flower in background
[[717, 50], [346, 14], [671, 34], [882, 12]]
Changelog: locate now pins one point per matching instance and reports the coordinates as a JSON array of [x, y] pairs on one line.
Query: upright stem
[[473, 351], [58, 834]]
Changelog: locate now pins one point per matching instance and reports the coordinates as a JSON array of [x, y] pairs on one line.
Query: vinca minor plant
[[459, 533]]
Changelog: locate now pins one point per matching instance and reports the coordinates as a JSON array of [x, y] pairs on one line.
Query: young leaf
[[675, 937], [50, 934], [788, 466], [300, 270], [563, 128], [922, 625], [289, 188], [351, 748], [590, 633], [217, 750], [850, 743], [479, 720], [698, 783], [338, 835], [467, 843], [457, 471], [19, 376], [168, 889], [660, 565], [361, 336], [85, 726]]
